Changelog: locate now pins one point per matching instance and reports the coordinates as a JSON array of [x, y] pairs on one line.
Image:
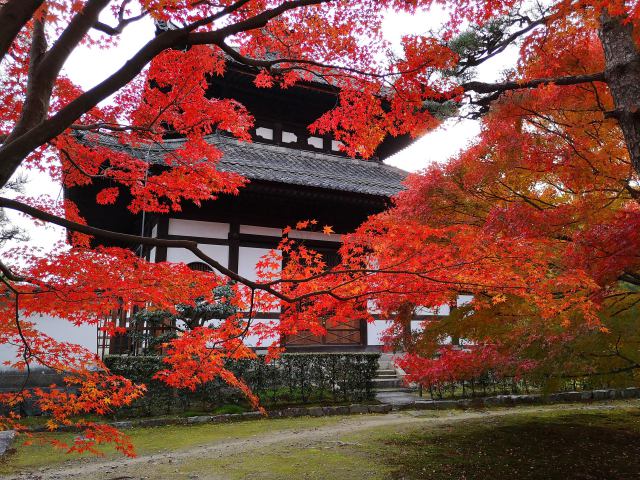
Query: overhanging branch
[[487, 88], [137, 239], [19, 144]]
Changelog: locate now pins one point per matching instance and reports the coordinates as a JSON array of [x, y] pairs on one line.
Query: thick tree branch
[[122, 21], [70, 38], [486, 88], [160, 242], [44, 73], [18, 147], [193, 248], [9, 275], [258, 21], [136, 239], [35, 105], [14, 15]]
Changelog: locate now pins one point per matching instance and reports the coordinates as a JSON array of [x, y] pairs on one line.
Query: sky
[[87, 67]]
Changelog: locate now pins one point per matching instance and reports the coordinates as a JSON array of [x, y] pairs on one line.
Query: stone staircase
[[387, 377], [389, 386]]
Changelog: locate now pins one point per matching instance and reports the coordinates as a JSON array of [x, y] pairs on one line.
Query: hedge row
[[294, 378], [490, 384]]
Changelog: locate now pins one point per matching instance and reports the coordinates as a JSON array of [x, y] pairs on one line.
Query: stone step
[[386, 382], [396, 399], [386, 378], [386, 359], [400, 389]]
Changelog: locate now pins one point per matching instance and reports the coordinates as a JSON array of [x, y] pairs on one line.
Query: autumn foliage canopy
[[537, 219]]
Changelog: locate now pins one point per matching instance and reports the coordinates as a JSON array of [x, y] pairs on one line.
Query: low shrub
[[294, 378]]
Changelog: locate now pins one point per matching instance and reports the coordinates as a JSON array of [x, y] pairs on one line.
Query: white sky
[[89, 66]]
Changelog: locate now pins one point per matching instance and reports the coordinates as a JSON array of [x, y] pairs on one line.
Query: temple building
[[293, 175]]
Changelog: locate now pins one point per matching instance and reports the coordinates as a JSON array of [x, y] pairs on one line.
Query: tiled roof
[[261, 161]]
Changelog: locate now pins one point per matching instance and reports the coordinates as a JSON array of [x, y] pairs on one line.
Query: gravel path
[[141, 467]]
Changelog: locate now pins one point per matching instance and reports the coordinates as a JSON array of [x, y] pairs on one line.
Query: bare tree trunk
[[404, 317], [622, 73]]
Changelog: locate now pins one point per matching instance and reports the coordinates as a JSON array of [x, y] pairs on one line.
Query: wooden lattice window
[[200, 267]]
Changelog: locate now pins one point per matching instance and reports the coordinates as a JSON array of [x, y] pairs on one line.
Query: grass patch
[[153, 439], [563, 443], [586, 445], [549, 445], [314, 462]]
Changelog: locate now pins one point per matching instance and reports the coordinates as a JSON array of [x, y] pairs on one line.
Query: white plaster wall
[[464, 299], [252, 340], [446, 340], [372, 307], [248, 257], [316, 142], [59, 329], [374, 331], [289, 137], [219, 253], [416, 326], [266, 133], [441, 310], [196, 228], [376, 328]]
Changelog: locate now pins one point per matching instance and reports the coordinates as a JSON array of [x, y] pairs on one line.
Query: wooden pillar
[[163, 232], [234, 246], [364, 341], [277, 133], [326, 143]]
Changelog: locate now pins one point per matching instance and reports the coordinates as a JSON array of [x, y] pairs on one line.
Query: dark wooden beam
[[234, 246]]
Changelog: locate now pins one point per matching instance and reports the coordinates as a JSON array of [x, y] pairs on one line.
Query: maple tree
[[537, 219]]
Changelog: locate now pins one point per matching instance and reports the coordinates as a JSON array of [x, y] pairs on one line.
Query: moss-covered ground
[[561, 442], [149, 441]]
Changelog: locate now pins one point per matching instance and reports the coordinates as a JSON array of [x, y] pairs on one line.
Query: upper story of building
[[293, 174]]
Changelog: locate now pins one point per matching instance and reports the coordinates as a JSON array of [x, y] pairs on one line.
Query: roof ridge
[[279, 163], [316, 174], [242, 143], [306, 153]]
